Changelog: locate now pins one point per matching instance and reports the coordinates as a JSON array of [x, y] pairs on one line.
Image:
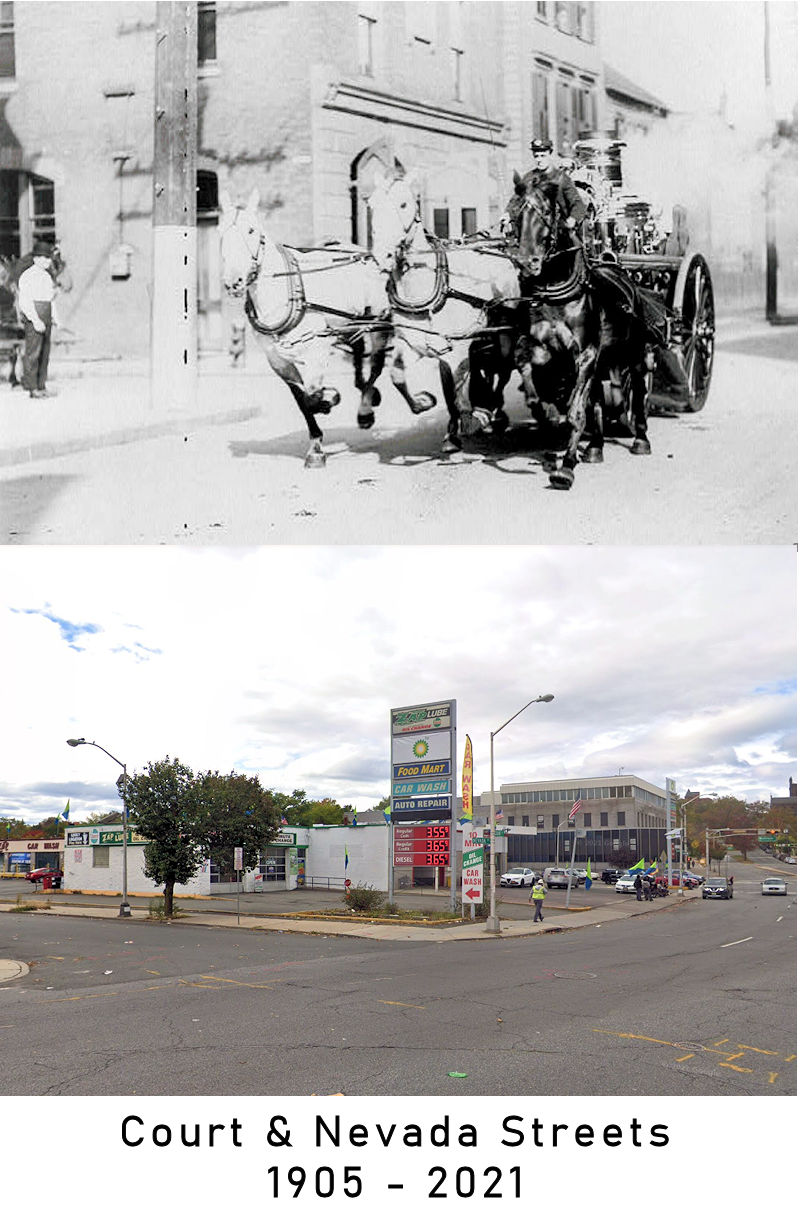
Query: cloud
[[285, 662]]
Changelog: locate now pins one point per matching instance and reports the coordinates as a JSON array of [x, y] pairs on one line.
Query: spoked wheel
[[698, 332]]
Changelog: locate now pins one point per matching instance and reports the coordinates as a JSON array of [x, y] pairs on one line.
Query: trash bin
[[56, 881], [47, 882]]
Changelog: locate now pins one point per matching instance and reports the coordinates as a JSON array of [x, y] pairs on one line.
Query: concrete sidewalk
[[103, 403], [555, 922]]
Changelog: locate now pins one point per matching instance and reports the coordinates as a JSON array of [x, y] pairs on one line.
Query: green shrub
[[156, 911], [363, 898], [390, 909]]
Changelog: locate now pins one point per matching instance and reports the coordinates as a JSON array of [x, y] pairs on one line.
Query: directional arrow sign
[[472, 874], [473, 895]]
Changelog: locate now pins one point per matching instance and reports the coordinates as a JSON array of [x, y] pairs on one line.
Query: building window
[[540, 822], [7, 54], [565, 17], [541, 113], [43, 210], [456, 68], [526, 822], [100, 856], [510, 821], [469, 226], [541, 10], [9, 214], [587, 819], [441, 228], [620, 819], [206, 33], [604, 819], [584, 22], [556, 821], [366, 45]]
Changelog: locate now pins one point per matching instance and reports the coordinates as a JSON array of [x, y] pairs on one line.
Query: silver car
[[773, 887]]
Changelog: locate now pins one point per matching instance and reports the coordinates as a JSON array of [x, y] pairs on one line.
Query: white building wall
[[368, 850], [80, 873]]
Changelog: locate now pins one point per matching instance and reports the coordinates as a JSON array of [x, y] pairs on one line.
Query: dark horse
[[585, 354]]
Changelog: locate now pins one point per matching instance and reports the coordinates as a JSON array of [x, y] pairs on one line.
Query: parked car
[[557, 877], [36, 876], [518, 876], [611, 874], [773, 887], [717, 887], [625, 883]]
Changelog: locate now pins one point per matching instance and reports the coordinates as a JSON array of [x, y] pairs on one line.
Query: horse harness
[[298, 304]]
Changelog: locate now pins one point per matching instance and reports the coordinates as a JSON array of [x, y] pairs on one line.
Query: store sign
[[413, 719], [421, 769], [472, 869], [440, 786], [423, 761]]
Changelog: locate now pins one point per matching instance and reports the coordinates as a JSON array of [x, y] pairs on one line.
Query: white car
[[625, 884], [773, 887], [518, 876]]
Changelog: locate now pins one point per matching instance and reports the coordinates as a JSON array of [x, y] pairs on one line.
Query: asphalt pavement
[[104, 403]]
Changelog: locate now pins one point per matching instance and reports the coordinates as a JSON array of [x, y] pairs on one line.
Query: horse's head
[[241, 243], [537, 231], [395, 215]]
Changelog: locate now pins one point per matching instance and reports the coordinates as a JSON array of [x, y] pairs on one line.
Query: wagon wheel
[[697, 318]]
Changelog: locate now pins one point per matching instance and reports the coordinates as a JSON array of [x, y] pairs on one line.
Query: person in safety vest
[[537, 899]]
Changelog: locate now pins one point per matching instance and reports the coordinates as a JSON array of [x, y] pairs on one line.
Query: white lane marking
[[736, 944], [777, 919]]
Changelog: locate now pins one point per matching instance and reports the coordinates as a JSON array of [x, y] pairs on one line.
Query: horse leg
[[289, 374], [640, 399], [417, 403], [452, 440], [563, 478], [370, 394]]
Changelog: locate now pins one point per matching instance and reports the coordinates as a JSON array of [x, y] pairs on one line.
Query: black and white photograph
[[330, 273], [398, 602]]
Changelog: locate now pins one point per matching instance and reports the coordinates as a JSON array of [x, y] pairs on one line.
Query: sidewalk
[[106, 402], [555, 922]]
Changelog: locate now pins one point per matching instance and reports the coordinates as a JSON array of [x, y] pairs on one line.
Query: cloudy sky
[[286, 662], [689, 52]]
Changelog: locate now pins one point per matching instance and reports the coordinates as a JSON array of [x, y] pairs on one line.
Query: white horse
[[452, 332], [301, 303]]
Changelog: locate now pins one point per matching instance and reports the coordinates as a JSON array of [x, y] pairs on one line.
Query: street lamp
[[683, 838], [492, 922], [124, 908]]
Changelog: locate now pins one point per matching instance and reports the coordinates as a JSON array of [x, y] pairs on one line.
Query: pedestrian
[[36, 292], [650, 890], [637, 884], [537, 899]]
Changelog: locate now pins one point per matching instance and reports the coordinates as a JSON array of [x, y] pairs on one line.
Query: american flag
[[575, 809]]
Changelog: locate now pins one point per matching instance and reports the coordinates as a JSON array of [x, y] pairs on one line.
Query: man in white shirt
[[35, 302]]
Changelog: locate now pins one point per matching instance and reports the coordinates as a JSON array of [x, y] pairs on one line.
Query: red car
[[36, 876]]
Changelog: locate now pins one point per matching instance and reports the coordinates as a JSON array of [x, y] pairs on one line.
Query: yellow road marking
[[629, 1035], [688, 1057], [763, 1051], [62, 957], [736, 1068], [244, 984], [407, 1004], [790, 1058], [45, 1001], [735, 1056], [772, 1078], [718, 1042], [150, 973]]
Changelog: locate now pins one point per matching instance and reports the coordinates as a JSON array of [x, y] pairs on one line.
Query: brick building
[[302, 100]]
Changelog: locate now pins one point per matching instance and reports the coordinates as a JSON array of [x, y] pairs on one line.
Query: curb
[[42, 450]]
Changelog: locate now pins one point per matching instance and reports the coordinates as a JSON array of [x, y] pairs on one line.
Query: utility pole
[[173, 339]]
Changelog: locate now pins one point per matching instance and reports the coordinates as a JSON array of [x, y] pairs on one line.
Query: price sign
[[422, 845]]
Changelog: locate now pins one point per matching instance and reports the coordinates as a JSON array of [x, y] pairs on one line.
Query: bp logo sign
[[421, 748]]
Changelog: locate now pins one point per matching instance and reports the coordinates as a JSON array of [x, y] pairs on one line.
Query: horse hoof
[[366, 419], [641, 447], [315, 458], [562, 479], [422, 403], [450, 444], [593, 456], [371, 398], [500, 423]]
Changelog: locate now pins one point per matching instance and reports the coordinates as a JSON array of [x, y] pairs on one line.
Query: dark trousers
[[35, 357], [537, 910]]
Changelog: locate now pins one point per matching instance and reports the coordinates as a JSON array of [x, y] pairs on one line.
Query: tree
[[234, 810], [162, 807]]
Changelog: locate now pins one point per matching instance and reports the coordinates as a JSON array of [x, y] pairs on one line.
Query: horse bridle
[[255, 258]]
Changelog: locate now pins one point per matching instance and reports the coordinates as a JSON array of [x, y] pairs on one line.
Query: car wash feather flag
[[588, 880], [346, 859], [466, 785], [65, 812]]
